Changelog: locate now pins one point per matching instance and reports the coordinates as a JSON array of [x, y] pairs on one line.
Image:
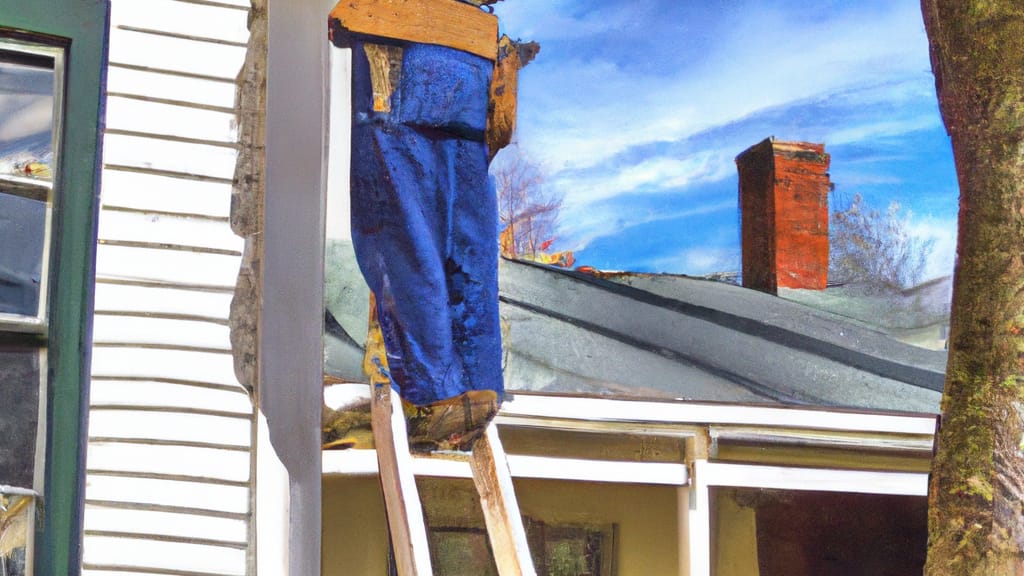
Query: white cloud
[[580, 113], [529, 19], [942, 233], [883, 128], [697, 261], [653, 174], [585, 226]]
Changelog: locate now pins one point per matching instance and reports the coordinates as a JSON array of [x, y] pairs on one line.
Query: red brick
[[784, 207]]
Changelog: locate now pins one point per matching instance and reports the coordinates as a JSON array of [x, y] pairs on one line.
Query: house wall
[[734, 537], [170, 434], [355, 535]]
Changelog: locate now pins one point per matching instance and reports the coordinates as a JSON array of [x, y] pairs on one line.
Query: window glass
[[26, 123], [571, 549], [22, 227], [30, 89], [28, 83], [20, 378], [19, 397], [461, 551]]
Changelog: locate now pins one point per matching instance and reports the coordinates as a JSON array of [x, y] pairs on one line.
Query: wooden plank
[[401, 498], [441, 22], [166, 194], [500, 506], [223, 22], [170, 229], [160, 154], [164, 523], [142, 555], [166, 119], [163, 364], [159, 491], [175, 54], [206, 462], [157, 264]]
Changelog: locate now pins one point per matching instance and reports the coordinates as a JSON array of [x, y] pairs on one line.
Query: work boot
[[451, 424]]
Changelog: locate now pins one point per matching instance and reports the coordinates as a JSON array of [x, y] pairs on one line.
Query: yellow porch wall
[[734, 537], [355, 537]]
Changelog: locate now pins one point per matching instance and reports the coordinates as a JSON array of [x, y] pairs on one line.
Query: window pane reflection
[[28, 83], [19, 415], [26, 115], [22, 228]]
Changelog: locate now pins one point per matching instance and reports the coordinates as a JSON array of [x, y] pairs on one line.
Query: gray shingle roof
[[676, 337]]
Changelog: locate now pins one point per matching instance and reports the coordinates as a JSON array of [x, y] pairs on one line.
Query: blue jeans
[[425, 225]]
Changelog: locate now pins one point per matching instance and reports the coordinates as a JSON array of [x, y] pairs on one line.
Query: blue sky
[[636, 110]]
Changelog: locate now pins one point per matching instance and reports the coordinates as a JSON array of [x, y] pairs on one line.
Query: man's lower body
[[424, 226]]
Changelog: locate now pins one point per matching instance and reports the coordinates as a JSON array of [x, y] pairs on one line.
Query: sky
[[636, 110]]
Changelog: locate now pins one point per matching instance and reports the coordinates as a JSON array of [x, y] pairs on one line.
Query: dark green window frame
[[80, 28]]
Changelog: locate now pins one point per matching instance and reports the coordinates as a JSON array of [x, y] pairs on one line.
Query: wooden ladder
[[401, 498]]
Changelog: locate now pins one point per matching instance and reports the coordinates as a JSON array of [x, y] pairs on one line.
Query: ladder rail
[[401, 497], [402, 502], [500, 506]]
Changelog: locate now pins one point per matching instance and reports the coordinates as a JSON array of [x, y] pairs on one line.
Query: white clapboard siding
[[167, 492], [167, 265], [129, 299], [170, 88], [163, 365], [177, 394], [169, 460], [197, 158], [148, 116], [121, 331], [164, 193], [181, 557], [192, 461], [184, 18], [185, 55], [131, 424], [107, 517], [156, 227]]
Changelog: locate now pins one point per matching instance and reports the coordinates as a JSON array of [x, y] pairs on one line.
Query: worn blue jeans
[[424, 222]]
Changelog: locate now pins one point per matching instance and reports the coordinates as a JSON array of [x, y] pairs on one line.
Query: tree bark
[[976, 518]]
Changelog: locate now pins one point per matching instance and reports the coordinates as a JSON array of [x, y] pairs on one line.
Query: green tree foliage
[[875, 249]]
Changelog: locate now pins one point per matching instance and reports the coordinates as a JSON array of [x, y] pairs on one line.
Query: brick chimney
[[784, 209]]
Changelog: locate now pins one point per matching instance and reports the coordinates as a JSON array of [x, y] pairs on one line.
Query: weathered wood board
[[440, 22]]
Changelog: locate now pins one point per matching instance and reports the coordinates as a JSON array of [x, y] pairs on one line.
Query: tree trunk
[[976, 519]]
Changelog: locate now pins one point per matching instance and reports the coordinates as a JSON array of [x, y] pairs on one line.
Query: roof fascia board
[[653, 412], [364, 463], [811, 479]]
